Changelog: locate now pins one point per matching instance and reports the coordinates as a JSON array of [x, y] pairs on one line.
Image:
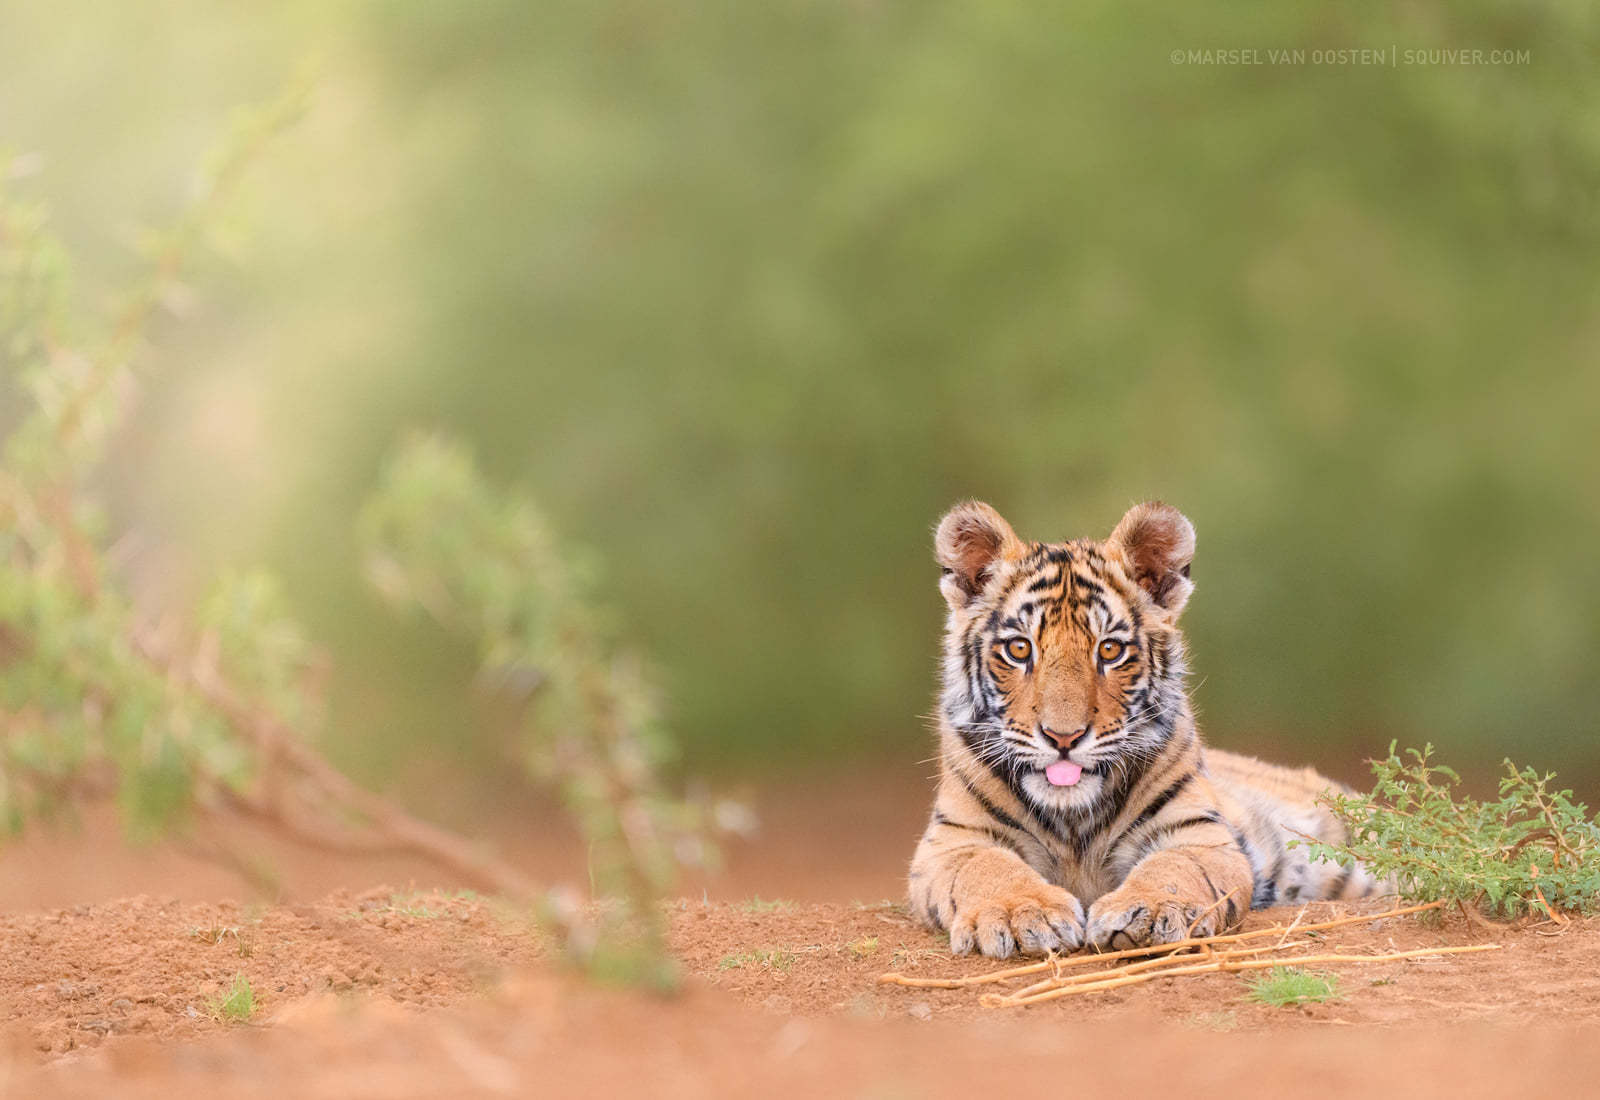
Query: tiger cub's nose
[[1063, 741]]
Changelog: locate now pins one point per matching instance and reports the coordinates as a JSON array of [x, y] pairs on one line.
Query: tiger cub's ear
[[1156, 542], [970, 540]]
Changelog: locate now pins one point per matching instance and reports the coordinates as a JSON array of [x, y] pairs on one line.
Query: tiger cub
[[1071, 771]]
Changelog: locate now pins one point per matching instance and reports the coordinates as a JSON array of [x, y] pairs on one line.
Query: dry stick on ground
[[1558, 919], [1298, 917], [1057, 963], [1221, 964], [1150, 964]]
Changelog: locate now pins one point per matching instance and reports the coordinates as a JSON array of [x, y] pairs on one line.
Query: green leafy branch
[[196, 713], [214, 710], [486, 564], [1531, 848]]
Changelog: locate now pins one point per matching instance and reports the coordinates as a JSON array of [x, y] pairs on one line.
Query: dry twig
[[1087, 976], [1056, 963], [1220, 964]]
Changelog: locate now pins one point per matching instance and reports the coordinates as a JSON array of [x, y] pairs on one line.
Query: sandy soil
[[415, 991], [397, 994]]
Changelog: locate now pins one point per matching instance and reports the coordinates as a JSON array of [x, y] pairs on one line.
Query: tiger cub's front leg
[[1174, 893], [988, 898]]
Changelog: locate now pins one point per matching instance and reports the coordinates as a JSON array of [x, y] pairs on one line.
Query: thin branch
[[1088, 976], [1298, 917], [397, 830], [1137, 952], [1470, 911], [409, 833], [1220, 965]]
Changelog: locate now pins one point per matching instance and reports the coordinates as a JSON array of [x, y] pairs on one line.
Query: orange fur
[[1071, 651]]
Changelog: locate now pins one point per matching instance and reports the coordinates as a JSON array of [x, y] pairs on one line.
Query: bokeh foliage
[[95, 700], [485, 563], [188, 716], [748, 294]]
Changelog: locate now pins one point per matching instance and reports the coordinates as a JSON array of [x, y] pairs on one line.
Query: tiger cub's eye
[[1019, 650], [1110, 650]]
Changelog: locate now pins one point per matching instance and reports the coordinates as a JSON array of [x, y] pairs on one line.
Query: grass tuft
[[414, 904], [236, 1004], [768, 959], [244, 942], [1288, 985], [758, 905], [214, 934]]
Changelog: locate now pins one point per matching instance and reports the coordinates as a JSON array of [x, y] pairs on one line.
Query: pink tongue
[[1063, 773]]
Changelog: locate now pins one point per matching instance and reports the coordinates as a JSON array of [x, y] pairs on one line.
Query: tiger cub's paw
[[1033, 918], [1133, 918]]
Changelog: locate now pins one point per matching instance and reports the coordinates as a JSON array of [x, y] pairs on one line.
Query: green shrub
[[97, 700], [1503, 855], [484, 562]]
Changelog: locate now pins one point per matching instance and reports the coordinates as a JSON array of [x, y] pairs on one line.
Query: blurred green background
[[747, 294]]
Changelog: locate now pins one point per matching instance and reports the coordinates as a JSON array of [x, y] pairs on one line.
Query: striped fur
[[1071, 651]]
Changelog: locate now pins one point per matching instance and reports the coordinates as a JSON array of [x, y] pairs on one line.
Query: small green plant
[[1530, 848], [1289, 985], [775, 958], [235, 1004], [759, 905], [866, 945]]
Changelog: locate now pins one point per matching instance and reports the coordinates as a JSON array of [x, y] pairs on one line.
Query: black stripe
[[1087, 584], [1210, 817], [1277, 862], [1244, 846], [1158, 836], [1111, 802], [998, 838], [1157, 804], [989, 807], [1231, 916]]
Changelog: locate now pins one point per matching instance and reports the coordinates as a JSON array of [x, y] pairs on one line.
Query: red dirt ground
[[399, 995], [394, 992]]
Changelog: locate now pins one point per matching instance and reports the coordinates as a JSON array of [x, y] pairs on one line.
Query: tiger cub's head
[[1063, 664]]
